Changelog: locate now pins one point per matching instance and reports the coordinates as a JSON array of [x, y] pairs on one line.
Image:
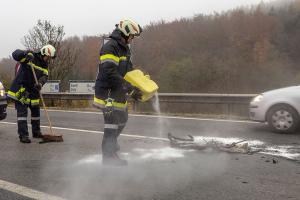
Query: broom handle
[[41, 96]]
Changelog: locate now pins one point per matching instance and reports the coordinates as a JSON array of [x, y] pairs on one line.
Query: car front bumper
[[3, 106], [256, 113]]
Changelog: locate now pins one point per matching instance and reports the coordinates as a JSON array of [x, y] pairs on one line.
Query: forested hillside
[[246, 50], [241, 51]]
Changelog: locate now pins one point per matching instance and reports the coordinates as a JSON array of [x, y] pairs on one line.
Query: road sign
[[78, 86], [51, 86]]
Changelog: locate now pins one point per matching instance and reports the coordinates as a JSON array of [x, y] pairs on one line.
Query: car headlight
[[258, 98], [2, 93]]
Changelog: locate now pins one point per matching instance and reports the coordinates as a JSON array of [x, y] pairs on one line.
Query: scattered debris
[[236, 145], [184, 143], [189, 143]]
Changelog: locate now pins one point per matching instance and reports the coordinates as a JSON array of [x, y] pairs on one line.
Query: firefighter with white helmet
[[48, 51], [111, 89], [129, 27], [24, 90]]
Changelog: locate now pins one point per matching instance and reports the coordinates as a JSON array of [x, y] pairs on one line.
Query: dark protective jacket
[[115, 62], [23, 85]]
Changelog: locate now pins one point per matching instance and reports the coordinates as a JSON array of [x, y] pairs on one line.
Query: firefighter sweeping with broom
[[25, 89]]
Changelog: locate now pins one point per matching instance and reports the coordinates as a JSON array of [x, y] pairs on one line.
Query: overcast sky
[[93, 17]]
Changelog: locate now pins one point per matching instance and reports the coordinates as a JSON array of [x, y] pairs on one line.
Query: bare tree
[[44, 32], [61, 67]]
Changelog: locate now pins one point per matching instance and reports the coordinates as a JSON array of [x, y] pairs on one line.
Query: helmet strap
[[125, 37]]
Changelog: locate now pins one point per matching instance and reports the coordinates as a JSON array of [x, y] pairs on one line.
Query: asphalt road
[[73, 169]]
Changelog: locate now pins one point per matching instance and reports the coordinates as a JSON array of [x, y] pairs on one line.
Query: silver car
[[279, 108]]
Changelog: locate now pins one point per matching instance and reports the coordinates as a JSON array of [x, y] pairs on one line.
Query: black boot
[[24, 139], [113, 160], [109, 148], [35, 123]]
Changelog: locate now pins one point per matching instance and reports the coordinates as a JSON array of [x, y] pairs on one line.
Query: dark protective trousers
[[115, 118], [114, 123], [22, 112]]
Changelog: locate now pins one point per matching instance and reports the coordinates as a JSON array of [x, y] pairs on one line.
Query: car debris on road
[[189, 143]]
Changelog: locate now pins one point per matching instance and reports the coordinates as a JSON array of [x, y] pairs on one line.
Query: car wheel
[[2, 116], [283, 119]]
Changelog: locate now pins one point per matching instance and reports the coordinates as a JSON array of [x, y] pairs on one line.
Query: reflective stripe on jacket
[[100, 103], [114, 63]]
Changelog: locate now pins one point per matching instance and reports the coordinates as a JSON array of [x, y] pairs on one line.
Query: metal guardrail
[[206, 98], [227, 105], [68, 96], [173, 96]]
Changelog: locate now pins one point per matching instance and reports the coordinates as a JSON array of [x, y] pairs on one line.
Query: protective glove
[[29, 57], [23, 97], [38, 86], [136, 93], [133, 91], [43, 80]]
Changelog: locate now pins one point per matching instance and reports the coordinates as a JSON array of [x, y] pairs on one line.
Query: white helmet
[[129, 27], [48, 50]]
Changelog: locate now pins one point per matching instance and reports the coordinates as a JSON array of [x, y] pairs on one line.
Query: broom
[[47, 137]]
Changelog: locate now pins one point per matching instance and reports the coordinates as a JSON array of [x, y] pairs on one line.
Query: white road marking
[[27, 192], [162, 116], [98, 132], [270, 149]]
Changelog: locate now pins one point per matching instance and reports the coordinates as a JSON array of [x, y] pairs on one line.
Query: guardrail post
[[229, 107]]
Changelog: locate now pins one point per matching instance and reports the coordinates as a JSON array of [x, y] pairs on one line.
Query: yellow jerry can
[[143, 82]]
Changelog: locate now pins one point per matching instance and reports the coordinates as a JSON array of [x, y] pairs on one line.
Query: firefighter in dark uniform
[[111, 89], [24, 90]]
